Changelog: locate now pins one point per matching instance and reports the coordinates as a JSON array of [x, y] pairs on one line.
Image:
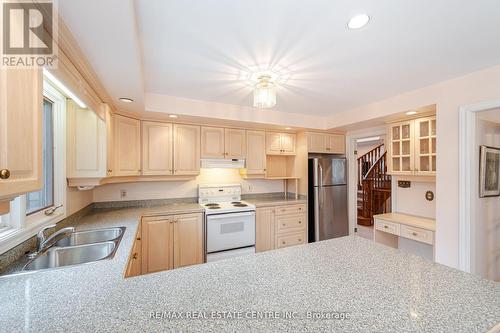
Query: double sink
[[79, 247]]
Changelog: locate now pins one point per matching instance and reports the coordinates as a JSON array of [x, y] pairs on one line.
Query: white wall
[[76, 200], [167, 190], [486, 228], [412, 200], [448, 96]]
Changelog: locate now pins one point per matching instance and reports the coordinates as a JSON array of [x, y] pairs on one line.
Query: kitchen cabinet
[[326, 143], [186, 149], [256, 152], [110, 157], [127, 146], [21, 132], [86, 143], [134, 263], [156, 148], [219, 142], [280, 226], [412, 147], [171, 241], [280, 143]]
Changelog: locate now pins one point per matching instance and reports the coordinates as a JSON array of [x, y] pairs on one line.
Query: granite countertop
[[376, 288], [266, 201]]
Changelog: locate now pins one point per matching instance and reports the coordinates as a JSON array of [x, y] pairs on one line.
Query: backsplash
[[412, 200]]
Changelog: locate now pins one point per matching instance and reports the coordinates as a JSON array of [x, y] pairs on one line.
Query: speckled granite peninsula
[[377, 289]]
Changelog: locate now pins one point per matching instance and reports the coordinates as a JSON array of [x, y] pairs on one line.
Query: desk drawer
[[417, 234], [290, 209], [389, 227], [287, 222], [291, 239]]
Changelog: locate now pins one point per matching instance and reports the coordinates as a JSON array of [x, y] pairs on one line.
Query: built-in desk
[[406, 232]]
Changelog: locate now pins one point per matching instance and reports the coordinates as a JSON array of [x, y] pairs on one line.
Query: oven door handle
[[229, 215]]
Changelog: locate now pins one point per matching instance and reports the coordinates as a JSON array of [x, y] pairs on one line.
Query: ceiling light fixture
[[264, 94], [411, 113], [288, 128], [358, 21], [126, 99], [172, 116]]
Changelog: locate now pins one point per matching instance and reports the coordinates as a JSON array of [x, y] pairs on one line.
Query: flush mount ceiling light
[[172, 116], [358, 21], [410, 113], [264, 94], [126, 99]]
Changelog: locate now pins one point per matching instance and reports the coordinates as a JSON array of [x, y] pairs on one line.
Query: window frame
[[23, 226]]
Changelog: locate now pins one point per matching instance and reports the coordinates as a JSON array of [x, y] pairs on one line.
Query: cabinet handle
[[110, 171], [414, 233], [386, 227], [283, 242], [138, 238], [134, 256], [284, 224], [4, 174], [300, 222], [300, 239]]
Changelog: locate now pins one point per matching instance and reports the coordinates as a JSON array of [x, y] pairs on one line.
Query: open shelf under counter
[[410, 233]]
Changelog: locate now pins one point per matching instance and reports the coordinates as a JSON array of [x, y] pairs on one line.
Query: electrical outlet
[[123, 194]]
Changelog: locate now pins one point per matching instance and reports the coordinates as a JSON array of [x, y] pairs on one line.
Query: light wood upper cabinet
[[212, 142], [412, 147], [156, 242], [326, 143], [171, 241], [280, 143], [86, 143], [235, 143], [127, 146], [188, 240], [256, 152], [110, 153], [186, 149], [20, 131], [156, 148], [264, 229]]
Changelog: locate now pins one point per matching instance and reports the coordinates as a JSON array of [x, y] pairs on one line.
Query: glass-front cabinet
[[412, 147]]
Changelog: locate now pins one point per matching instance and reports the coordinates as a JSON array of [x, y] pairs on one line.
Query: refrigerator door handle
[[320, 175], [316, 213]]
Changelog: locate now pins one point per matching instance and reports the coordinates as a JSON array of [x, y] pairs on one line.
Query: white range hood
[[223, 163]]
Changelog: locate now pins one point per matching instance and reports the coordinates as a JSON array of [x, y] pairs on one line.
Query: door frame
[[353, 167], [468, 182]]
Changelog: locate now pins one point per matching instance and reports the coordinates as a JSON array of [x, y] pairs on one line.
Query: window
[[43, 199]]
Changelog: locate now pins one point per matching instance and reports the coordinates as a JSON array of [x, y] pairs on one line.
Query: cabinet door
[[86, 143], [336, 144], [401, 148], [235, 143], [134, 266], [425, 146], [212, 142], [186, 149], [288, 143], [273, 143], [316, 143], [264, 229], [156, 148], [156, 243], [256, 153], [127, 146], [188, 239], [110, 153], [20, 131]]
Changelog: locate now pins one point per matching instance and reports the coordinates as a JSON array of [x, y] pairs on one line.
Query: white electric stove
[[229, 221]]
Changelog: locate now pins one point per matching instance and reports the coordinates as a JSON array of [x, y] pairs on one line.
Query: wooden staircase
[[374, 185]]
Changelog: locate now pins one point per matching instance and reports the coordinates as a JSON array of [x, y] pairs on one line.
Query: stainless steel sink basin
[[91, 236], [72, 255]]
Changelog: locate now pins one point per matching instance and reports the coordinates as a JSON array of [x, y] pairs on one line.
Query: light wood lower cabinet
[[134, 262], [280, 226], [171, 241]]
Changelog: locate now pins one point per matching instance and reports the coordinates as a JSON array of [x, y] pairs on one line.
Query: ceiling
[[197, 49]]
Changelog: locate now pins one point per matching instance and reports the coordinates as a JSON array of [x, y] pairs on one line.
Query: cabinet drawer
[[291, 239], [389, 227], [290, 209], [287, 222], [420, 235]]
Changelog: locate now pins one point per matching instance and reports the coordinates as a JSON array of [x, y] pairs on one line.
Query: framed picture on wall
[[489, 172]]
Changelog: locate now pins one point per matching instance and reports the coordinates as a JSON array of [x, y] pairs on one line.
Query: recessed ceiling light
[[172, 116], [358, 21], [410, 113], [126, 99], [288, 128]]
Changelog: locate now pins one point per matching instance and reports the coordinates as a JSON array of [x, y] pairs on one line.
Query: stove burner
[[235, 202], [211, 205], [240, 205]]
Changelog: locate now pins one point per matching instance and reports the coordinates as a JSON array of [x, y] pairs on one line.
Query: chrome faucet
[[44, 243]]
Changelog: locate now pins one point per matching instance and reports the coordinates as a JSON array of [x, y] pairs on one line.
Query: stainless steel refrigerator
[[327, 197]]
